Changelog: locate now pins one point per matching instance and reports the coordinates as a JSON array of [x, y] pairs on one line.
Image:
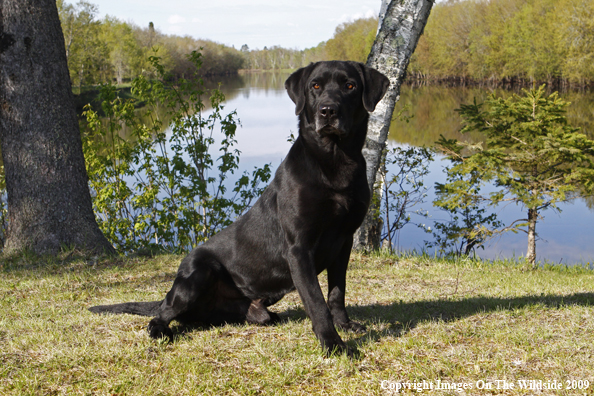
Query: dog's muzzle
[[327, 121]]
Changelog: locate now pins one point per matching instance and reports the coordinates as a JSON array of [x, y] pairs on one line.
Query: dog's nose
[[328, 110]]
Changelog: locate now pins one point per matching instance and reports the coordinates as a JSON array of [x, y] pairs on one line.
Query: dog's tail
[[149, 308]]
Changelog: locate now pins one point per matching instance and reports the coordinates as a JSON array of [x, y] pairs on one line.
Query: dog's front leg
[[336, 290], [306, 282]]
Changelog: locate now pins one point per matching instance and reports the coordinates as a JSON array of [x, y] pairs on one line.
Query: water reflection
[[232, 86], [432, 110]]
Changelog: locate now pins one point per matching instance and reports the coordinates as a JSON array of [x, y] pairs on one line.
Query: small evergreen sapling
[[533, 157]]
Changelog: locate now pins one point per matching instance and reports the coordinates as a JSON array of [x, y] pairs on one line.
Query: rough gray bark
[[49, 204], [396, 41], [382, 14]]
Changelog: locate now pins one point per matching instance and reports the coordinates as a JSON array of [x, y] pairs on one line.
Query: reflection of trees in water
[[432, 108], [267, 81], [580, 112], [589, 202], [232, 86]]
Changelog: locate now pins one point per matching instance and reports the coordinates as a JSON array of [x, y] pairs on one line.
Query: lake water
[[268, 118]]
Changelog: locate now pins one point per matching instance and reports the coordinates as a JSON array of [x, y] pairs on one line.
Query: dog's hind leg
[[258, 314], [191, 288]]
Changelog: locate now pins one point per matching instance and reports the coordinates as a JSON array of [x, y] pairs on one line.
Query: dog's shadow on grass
[[401, 317], [398, 318]]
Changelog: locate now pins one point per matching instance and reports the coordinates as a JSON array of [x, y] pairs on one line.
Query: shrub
[[167, 184]]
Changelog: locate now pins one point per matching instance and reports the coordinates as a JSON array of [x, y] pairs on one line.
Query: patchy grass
[[454, 321]]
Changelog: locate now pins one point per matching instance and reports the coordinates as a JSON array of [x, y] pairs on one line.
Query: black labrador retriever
[[302, 224]]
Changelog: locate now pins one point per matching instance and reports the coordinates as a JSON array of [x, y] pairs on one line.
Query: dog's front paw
[[337, 349], [352, 326], [158, 329], [334, 346]]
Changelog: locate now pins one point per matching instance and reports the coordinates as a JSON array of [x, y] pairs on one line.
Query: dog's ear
[[376, 85], [295, 86]]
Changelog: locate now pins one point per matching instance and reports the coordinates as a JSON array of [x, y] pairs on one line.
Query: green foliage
[[274, 58], [531, 44], [85, 52], [352, 40], [315, 54], [530, 153], [444, 48], [434, 114], [403, 189], [111, 50], [540, 40], [126, 57], [165, 188], [578, 35], [218, 58], [469, 226]]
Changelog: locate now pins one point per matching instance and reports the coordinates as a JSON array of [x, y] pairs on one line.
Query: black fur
[[302, 224], [150, 308]]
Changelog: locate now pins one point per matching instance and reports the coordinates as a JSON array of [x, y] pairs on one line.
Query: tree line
[[104, 50], [351, 41], [508, 41], [498, 40], [548, 41]]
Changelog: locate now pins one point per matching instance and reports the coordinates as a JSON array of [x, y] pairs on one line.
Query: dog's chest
[[349, 210]]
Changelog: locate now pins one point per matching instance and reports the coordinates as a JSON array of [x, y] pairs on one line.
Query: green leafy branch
[[160, 176]]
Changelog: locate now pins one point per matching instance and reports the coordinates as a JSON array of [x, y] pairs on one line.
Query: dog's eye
[[316, 86], [350, 86]]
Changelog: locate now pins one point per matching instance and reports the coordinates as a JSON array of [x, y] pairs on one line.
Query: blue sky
[[289, 23]]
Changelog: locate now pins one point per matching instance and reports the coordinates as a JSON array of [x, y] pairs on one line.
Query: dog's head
[[335, 95]]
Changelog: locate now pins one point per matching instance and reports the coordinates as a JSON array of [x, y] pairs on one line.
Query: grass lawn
[[452, 324]]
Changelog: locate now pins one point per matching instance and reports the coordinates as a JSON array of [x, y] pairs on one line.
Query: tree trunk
[[49, 204], [531, 253], [382, 14], [396, 41]]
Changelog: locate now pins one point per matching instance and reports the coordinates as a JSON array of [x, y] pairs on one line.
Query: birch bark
[[400, 28]]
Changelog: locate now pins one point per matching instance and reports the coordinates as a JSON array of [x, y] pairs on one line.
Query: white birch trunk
[[397, 38]]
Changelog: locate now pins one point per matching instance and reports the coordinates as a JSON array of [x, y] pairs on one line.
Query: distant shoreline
[[506, 83]]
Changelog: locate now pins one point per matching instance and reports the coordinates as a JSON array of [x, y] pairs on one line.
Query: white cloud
[[351, 17], [175, 19], [173, 29]]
